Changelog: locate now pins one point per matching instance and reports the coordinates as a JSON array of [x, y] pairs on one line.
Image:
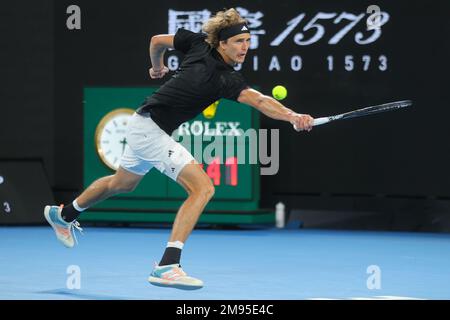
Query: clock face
[[110, 136]]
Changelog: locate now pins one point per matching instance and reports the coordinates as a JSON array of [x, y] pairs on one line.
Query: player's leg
[[127, 177], [63, 219], [178, 164], [200, 190]]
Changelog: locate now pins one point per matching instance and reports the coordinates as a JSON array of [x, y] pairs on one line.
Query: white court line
[[398, 298], [371, 298]]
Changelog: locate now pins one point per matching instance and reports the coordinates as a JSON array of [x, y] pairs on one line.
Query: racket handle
[[319, 121]]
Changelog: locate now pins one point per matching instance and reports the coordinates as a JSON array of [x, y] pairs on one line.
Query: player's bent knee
[[207, 191], [211, 191], [203, 191]]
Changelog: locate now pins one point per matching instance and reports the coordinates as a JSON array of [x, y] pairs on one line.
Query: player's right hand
[[157, 74], [302, 122]]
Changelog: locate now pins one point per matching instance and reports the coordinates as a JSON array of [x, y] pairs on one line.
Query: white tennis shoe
[[172, 276]]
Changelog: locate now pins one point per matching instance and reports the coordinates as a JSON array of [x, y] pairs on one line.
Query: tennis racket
[[364, 112], [391, 106]]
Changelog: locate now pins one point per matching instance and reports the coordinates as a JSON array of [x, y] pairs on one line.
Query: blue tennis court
[[264, 264]]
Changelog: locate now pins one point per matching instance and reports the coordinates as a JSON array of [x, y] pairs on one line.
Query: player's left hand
[[157, 74]]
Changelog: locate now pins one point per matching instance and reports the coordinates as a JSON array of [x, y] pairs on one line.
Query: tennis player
[[206, 75]]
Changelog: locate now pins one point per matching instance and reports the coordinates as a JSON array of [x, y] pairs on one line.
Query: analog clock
[[110, 136]]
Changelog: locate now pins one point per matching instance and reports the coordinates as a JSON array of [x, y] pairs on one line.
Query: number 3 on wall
[[6, 207]]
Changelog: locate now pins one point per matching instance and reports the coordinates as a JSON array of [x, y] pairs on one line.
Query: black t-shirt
[[202, 78]]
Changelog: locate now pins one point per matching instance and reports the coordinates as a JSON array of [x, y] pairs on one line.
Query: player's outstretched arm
[[274, 109]]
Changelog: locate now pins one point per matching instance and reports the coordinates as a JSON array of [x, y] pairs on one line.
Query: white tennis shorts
[[149, 146]]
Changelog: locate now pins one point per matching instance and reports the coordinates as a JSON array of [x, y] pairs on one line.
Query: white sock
[[77, 207], [175, 244]]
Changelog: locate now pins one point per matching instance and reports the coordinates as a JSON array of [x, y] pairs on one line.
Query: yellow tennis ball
[[279, 92]]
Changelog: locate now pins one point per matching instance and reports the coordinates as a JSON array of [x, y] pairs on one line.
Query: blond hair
[[221, 20]]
